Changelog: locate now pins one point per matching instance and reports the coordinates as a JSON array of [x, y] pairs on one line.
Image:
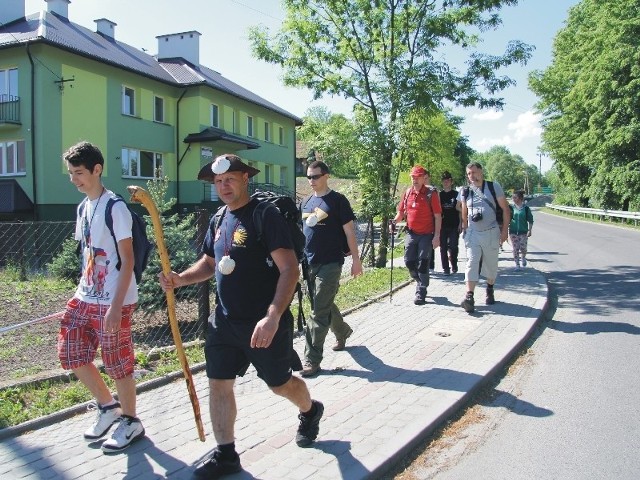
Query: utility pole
[[540, 154]]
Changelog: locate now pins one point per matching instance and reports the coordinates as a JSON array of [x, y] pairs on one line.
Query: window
[[281, 135], [158, 109], [233, 122], [283, 176], [215, 116], [8, 84], [128, 101], [12, 158], [140, 163], [249, 126], [267, 132], [268, 174]]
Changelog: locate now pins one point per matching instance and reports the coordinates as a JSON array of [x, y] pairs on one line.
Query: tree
[[333, 136], [589, 99], [387, 57], [508, 169]]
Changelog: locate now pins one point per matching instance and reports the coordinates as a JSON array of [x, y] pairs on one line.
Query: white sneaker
[[129, 430], [106, 417]]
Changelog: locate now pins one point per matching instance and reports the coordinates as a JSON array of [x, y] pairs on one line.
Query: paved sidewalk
[[406, 369]]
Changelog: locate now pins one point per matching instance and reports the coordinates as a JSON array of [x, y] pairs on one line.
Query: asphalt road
[[570, 409]]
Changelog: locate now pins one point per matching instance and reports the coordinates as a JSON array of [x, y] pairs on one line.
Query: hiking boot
[[468, 303], [490, 300], [106, 417], [217, 466], [524, 262], [447, 272], [129, 430], [341, 343], [309, 426], [419, 300], [310, 369]]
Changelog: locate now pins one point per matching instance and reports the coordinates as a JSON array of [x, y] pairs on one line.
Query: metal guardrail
[[601, 213]]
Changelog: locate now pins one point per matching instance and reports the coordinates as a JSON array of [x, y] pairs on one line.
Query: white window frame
[[128, 101], [10, 161], [283, 176], [129, 154], [8, 84], [249, 126], [158, 116], [267, 132], [281, 135], [214, 115], [268, 173]]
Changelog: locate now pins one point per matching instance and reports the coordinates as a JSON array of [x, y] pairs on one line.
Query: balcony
[[9, 111]]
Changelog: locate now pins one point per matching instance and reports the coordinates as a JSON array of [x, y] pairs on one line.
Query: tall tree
[[386, 55], [508, 169], [590, 99]]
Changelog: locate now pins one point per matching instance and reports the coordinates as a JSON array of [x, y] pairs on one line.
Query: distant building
[[151, 115]]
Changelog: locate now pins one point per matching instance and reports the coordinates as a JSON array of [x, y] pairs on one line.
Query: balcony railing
[[9, 109]]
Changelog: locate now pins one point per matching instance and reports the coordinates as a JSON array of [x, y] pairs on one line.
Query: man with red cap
[[420, 206]]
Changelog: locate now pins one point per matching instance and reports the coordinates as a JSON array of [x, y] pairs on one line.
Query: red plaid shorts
[[81, 332]]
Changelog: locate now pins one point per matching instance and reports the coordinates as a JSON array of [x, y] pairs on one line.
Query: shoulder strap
[[258, 218], [304, 202], [108, 219], [217, 217], [492, 189]]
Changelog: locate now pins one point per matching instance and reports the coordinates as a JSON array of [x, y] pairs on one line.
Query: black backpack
[[492, 189], [289, 210], [142, 247]]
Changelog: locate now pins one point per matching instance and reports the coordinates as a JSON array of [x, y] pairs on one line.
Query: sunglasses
[[315, 177]]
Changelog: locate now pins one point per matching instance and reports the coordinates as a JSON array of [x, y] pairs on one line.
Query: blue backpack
[[142, 247]]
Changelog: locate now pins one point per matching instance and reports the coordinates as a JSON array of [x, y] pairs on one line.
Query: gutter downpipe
[[33, 134], [178, 149]]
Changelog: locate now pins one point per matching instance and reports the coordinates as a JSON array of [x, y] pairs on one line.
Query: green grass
[[19, 404]]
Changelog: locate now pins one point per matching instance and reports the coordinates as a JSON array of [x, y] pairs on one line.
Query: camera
[[476, 217]]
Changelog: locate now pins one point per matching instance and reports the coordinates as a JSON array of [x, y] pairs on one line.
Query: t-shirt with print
[[324, 241], [475, 204], [99, 277], [246, 292], [418, 212], [450, 216]]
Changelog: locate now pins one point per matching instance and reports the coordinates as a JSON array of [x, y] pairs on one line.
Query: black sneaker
[[216, 466], [490, 300], [468, 304], [419, 300], [309, 426]]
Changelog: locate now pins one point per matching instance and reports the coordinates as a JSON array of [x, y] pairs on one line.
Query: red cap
[[418, 171]]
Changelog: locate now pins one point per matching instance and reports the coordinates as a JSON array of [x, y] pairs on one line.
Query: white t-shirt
[[99, 257]]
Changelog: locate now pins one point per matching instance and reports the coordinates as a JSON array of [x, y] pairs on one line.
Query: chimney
[[11, 10], [184, 45], [106, 27], [59, 7]]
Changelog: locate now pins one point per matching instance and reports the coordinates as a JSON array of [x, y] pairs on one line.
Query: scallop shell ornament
[[226, 265], [221, 165], [312, 220]]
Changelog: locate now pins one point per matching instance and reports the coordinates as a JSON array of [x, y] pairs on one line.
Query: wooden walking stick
[[140, 195]]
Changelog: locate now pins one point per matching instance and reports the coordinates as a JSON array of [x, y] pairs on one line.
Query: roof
[[49, 28]]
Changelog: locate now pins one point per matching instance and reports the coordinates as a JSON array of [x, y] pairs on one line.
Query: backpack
[[142, 247], [346, 251], [492, 189], [290, 212]]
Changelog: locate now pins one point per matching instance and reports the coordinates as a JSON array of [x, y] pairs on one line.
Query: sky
[[224, 47]]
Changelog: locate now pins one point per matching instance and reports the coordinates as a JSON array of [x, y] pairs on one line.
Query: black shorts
[[228, 350]]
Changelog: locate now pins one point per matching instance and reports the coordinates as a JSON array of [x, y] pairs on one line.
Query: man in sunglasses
[[327, 220]]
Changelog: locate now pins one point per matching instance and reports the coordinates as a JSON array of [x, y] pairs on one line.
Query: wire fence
[[30, 292]]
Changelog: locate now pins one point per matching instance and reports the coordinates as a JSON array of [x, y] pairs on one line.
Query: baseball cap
[[418, 171], [446, 175]]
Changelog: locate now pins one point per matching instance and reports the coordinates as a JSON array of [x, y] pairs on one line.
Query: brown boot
[[341, 343]]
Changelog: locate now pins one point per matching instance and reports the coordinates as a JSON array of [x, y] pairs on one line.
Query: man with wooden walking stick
[[99, 314], [255, 281]]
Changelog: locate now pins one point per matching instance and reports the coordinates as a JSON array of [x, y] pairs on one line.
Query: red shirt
[[418, 209]]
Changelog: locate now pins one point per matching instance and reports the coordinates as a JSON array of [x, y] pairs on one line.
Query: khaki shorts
[[483, 249]]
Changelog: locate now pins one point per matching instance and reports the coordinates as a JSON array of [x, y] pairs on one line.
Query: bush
[[67, 264]]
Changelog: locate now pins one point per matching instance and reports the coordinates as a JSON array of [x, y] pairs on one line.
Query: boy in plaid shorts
[[99, 314]]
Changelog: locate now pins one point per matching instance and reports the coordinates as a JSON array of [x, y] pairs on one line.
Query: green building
[[151, 115]]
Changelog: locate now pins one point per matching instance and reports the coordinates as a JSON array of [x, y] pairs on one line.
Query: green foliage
[[589, 99], [67, 264], [179, 236], [385, 57], [508, 169]]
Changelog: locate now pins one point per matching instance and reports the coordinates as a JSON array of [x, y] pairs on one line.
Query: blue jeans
[[324, 281]]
